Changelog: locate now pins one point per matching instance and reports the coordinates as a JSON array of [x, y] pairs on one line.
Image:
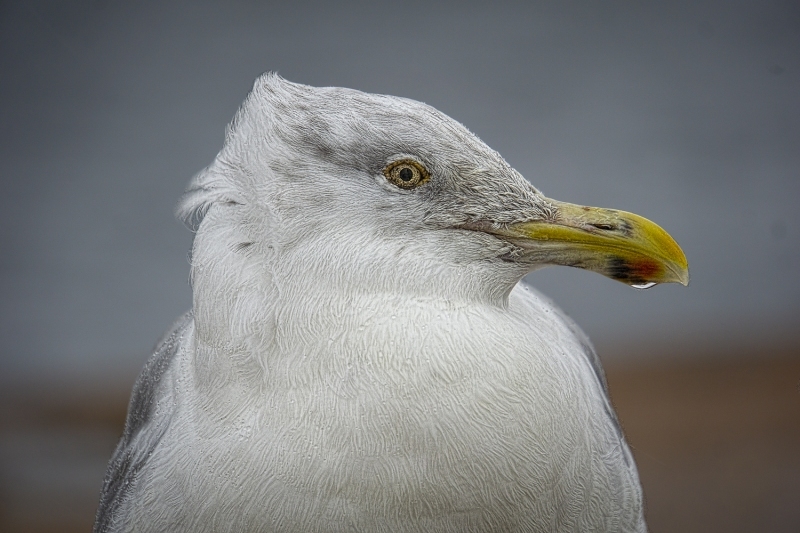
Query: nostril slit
[[606, 227]]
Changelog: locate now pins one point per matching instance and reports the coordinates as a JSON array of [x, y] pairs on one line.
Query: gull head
[[350, 191]]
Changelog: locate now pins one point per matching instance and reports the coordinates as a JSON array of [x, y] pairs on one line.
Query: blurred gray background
[[687, 113]]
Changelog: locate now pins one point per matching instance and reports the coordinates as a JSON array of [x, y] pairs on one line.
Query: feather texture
[[357, 360]]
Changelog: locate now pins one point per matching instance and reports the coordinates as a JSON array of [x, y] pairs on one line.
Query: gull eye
[[406, 173]]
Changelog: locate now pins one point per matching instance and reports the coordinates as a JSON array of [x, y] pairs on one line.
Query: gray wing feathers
[[626, 487], [142, 433], [588, 349], [597, 367]]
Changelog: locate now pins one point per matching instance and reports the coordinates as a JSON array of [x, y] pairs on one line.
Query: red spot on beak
[[645, 269]]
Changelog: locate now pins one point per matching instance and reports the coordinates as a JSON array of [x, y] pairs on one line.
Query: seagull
[[361, 354]]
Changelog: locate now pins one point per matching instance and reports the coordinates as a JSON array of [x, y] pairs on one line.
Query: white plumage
[[360, 355]]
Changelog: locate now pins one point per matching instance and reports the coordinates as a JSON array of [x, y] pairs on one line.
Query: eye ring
[[406, 173]]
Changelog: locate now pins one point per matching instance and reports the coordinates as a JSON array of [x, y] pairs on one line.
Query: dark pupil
[[406, 174]]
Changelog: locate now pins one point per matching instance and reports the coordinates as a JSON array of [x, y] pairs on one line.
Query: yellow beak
[[620, 245]]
